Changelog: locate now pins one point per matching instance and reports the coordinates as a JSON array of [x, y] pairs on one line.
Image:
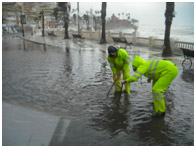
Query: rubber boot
[[127, 88], [159, 108]]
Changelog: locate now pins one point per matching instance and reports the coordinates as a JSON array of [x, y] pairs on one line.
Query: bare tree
[[169, 14], [103, 15]]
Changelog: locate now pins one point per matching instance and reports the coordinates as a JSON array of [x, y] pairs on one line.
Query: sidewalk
[[25, 126], [62, 43]]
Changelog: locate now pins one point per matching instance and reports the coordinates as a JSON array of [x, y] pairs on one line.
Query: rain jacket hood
[[138, 61]]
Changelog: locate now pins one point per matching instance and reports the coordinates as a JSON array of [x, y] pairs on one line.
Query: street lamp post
[[78, 18]]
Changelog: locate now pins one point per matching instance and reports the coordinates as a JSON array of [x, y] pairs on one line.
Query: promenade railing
[[132, 37]]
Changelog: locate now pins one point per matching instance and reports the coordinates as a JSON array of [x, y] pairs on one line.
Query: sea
[[178, 33]]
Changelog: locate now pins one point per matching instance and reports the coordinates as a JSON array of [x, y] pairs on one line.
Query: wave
[[180, 33]]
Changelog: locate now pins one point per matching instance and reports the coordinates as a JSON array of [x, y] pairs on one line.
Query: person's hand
[[121, 72], [123, 81], [149, 80], [116, 77]]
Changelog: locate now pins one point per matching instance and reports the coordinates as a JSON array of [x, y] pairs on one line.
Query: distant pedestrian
[[162, 72], [119, 62]]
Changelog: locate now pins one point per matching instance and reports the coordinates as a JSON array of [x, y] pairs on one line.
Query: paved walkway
[[25, 121], [35, 128], [61, 43]]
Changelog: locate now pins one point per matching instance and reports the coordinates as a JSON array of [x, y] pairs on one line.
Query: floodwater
[[72, 82]]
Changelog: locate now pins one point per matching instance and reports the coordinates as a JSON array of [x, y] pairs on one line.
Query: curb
[[36, 41]]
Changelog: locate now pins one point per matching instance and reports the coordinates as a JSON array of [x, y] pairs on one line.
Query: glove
[[115, 77], [123, 81]]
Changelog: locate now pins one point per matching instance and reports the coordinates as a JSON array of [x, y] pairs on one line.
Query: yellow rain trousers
[[162, 72], [120, 63]]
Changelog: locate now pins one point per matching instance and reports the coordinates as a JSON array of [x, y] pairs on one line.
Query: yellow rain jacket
[[120, 63], [162, 72]]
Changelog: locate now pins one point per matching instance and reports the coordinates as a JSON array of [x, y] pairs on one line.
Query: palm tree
[[86, 18], [95, 19], [95, 22], [169, 14], [55, 13], [123, 14], [43, 26], [119, 15], [128, 16], [65, 7], [74, 16], [103, 15]]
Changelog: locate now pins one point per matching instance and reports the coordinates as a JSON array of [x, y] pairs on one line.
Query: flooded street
[[72, 83]]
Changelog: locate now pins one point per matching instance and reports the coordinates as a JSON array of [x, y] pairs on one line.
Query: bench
[[77, 36], [188, 55], [121, 40], [51, 34]]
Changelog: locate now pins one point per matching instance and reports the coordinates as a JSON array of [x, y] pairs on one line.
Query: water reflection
[[67, 62], [188, 74], [44, 46], [74, 81], [24, 46], [169, 96], [114, 117], [153, 132], [59, 134]]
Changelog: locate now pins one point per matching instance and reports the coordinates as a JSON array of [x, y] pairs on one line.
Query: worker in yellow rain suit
[[119, 62], [162, 73]]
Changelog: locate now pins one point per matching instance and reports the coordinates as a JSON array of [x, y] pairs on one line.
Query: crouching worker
[[162, 73], [119, 62]]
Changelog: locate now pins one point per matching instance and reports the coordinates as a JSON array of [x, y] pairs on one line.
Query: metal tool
[[110, 88]]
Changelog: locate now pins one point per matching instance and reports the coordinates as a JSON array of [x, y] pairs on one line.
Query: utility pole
[[78, 19]]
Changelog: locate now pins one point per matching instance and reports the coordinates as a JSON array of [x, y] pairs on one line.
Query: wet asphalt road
[[72, 83]]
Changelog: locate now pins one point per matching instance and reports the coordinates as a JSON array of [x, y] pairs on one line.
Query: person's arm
[[127, 61], [138, 74], [131, 79], [112, 66]]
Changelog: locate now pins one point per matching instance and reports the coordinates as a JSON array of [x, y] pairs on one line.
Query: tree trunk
[[43, 26], [66, 30], [103, 15], [169, 16], [66, 23], [65, 7]]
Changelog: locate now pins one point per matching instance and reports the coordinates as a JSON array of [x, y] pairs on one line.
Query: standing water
[[72, 83]]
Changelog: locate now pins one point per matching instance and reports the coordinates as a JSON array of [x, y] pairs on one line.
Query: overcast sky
[[145, 12]]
